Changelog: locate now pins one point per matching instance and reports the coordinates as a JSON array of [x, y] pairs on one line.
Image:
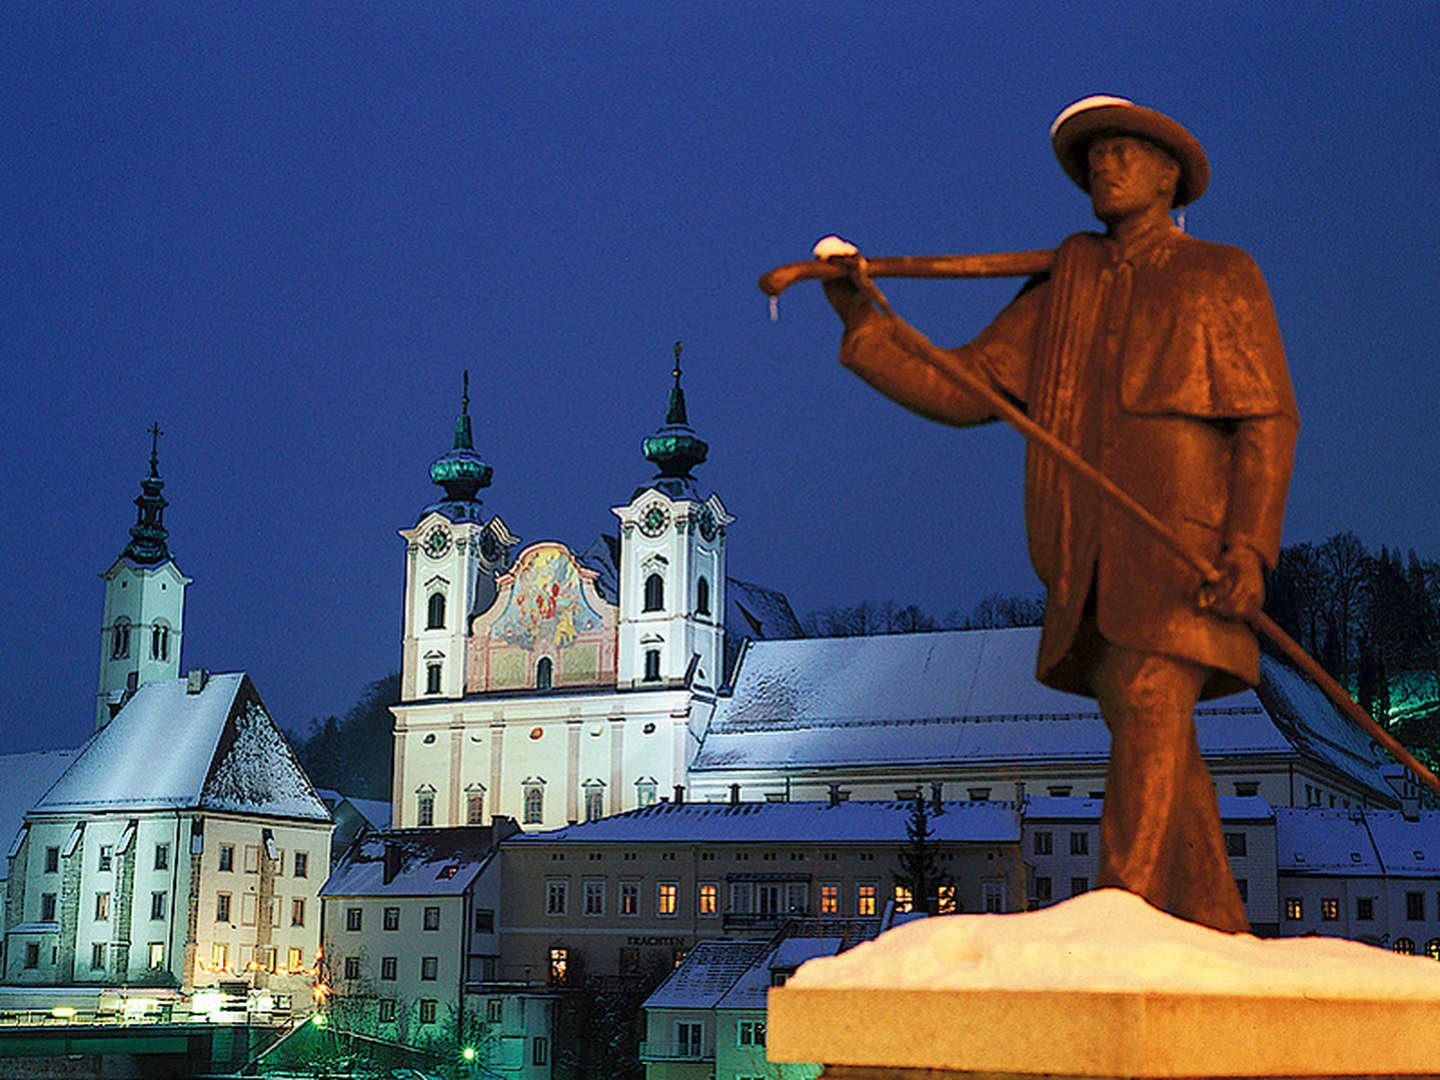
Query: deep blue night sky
[[283, 230]]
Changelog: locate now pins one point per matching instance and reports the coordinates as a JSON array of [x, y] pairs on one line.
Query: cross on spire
[[155, 434]]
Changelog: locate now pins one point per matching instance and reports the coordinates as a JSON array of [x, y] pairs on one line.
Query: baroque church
[[556, 686], [552, 686]]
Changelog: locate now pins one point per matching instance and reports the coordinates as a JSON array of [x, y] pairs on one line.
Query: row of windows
[[1364, 908], [428, 1010], [1044, 843], [390, 919], [120, 640], [757, 898], [532, 802], [265, 958], [300, 861], [749, 1034], [390, 968], [250, 914]]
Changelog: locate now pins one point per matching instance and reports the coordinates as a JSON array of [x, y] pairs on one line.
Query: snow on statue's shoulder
[[1111, 941]]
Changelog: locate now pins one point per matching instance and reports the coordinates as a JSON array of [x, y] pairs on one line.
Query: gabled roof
[[1408, 847], [749, 990], [216, 749], [374, 812], [1319, 841], [424, 862], [706, 973], [795, 822], [970, 697]]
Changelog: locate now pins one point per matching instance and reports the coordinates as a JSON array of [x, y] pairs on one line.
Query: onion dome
[[460, 471], [148, 535], [675, 449]]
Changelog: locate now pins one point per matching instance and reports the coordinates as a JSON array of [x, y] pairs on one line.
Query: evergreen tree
[[920, 871]]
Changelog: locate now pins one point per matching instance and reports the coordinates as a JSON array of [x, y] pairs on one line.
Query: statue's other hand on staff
[[1240, 590]]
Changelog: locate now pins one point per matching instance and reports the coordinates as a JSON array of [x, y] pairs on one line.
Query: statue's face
[[1129, 176]]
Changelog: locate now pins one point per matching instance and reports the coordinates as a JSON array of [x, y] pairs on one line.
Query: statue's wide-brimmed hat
[[1090, 118]]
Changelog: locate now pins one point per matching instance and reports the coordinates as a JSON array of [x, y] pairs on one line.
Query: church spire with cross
[[148, 536], [144, 615], [675, 449]]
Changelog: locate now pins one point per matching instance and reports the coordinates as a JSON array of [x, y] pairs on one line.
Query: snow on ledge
[[1111, 941]]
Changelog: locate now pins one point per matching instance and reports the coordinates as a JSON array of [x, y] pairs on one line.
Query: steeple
[[460, 472], [675, 449], [148, 535]]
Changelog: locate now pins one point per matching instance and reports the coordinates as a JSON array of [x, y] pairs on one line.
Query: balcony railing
[[675, 1051]]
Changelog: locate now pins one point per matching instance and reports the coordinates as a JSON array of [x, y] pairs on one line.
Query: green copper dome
[[460, 471], [675, 449]]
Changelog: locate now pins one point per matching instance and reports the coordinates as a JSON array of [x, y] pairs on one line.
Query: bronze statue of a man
[[1158, 358]]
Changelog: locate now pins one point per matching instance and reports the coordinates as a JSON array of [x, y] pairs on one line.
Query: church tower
[[452, 557], [141, 628], [672, 565]]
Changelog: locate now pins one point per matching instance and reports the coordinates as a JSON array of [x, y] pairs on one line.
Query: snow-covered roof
[[24, 778], [1073, 808], [424, 862], [971, 697], [794, 822], [707, 972], [375, 812], [749, 990], [1320, 841], [1408, 847], [216, 749]]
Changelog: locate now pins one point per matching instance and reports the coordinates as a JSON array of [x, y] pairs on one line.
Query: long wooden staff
[[1021, 263]]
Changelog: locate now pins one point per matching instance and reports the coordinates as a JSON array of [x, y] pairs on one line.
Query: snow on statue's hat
[[1099, 115]]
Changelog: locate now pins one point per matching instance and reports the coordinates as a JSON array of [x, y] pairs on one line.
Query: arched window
[[436, 613], [702, 596], [1432, 948], [654, 593], [475, 805], [120, 639], [544, 673], [594, 800], [534, 804], [1404, 946], [652, 665], [159, 642], [432, 678]]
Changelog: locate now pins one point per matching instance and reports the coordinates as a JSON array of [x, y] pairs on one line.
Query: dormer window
[[120, 639], [654, 593], [702, 597], [435, 612]]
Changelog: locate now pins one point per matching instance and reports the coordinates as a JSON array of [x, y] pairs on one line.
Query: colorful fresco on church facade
[[548, 626]]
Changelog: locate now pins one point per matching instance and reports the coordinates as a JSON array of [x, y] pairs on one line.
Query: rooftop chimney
[[195, 681], [392, 861], [1020, 793], [734, 794], [679, 794], [837, 796], [937, 804]]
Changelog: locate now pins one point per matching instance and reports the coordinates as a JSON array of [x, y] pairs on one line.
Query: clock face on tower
[[437, 542], [707, 523], [654, 519]]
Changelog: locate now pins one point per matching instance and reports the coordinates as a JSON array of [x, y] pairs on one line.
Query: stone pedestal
[[925, 1034], [1106, 986]]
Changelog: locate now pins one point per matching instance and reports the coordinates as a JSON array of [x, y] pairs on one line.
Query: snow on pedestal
[[1105, 985]]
